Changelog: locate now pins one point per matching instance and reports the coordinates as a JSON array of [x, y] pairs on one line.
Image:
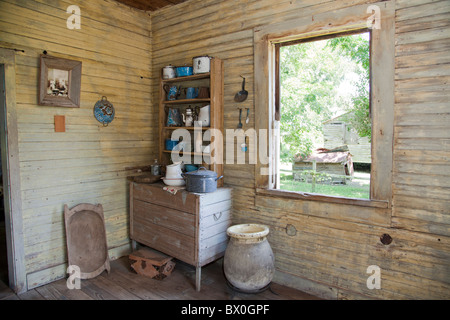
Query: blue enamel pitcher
[[172, 92]]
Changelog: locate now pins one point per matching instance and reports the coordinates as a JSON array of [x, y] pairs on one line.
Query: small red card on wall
[[60, 123]]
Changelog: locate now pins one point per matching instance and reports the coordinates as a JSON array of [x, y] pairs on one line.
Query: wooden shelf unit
[[214, 80]]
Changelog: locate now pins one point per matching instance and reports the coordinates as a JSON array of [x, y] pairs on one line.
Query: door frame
[[11, 174]]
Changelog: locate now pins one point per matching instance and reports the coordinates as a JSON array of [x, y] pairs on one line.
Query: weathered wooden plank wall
[[326, 248], [421, 181], [323, 248], [89, 162]]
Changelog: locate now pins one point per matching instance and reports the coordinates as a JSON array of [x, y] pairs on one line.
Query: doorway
[[12, 256], [3, 250]]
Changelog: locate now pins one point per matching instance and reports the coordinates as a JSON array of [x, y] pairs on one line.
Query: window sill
[[322, 198]]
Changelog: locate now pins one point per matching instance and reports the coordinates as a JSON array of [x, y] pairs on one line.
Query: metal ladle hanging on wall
[[241, 95], [104, 111]]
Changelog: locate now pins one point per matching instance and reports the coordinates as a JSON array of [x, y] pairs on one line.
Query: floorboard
[[122, 283]]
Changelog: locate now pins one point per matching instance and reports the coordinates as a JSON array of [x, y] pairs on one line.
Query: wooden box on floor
[[151, 263]]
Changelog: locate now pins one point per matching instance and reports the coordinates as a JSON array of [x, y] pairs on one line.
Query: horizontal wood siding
[[88, 162], [326, 248], [422, 172]]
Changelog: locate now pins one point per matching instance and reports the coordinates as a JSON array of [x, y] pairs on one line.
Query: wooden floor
[[124, 284]]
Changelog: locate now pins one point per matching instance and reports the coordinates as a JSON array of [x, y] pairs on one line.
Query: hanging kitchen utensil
[[247, 119], [240, 115], [104, 111], [241, 95], [244, 146]]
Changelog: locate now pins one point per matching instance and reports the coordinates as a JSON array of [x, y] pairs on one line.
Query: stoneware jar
[[249, 263]]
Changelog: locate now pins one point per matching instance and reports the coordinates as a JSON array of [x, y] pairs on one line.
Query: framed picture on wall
[[60, 82]]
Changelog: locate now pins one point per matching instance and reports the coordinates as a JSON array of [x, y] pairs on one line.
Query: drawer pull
[[217, 217]]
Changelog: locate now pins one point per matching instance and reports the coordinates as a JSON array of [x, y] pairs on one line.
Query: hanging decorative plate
[[104, 111]]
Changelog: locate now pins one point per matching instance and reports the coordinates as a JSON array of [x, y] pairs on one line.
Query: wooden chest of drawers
[[188, 226]]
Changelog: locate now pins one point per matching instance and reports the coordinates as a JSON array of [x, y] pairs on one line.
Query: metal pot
[[201, 180], [184, 71], [168, 72], [201, 64]]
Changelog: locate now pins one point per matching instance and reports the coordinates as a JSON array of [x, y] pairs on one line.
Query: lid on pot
[[203, 173], [204, 56]]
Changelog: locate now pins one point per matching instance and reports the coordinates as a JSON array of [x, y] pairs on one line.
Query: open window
[[323, 107], [375, 20]]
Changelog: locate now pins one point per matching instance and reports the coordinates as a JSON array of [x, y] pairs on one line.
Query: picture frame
[[60, 82]]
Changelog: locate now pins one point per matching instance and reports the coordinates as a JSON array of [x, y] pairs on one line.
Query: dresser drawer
[[164, 229], [175, 220], [172, 243], [182, 200]]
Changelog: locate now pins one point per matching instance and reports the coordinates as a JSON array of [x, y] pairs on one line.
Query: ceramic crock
[[249, 263]]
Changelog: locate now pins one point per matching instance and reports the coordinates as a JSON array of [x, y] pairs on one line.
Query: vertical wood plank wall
[[326, 248], [88, 162]]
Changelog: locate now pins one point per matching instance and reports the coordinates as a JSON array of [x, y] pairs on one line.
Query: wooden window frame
[[266, 38]]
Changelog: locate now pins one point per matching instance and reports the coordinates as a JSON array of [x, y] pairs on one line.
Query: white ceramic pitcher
[[173, 171]]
